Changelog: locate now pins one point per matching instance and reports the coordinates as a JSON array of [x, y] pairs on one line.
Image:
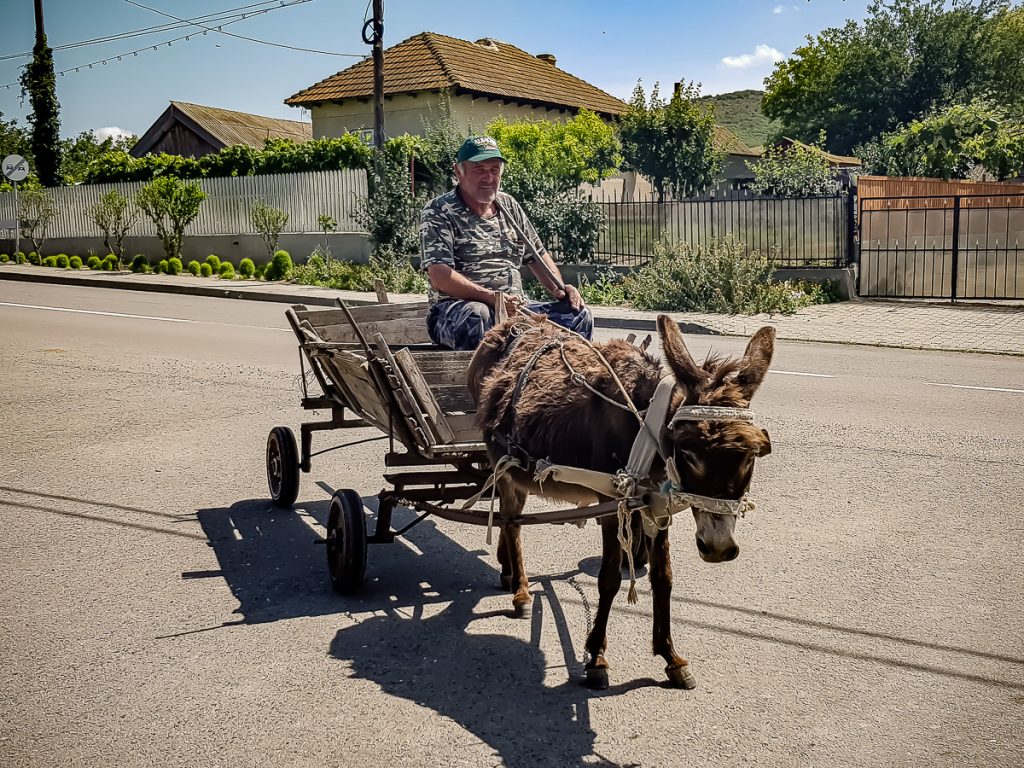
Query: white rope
[[711, 413], [501, 468]]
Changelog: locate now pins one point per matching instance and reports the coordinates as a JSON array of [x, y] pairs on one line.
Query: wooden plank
[[403, 330], [454, 397], [366, 313], [367, 399], [380, 290], [430, 436], [464, 428], [421, 390]]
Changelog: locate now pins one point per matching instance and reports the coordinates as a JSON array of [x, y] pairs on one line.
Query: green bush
[[719, 277], [174, 266], [110, 263], [205, 269], [281, 267], [75, 262], [4, 258], [33, 258], [608, 288], [227, 270], [161, 267], [193, 267], [20, 258], [140, 262], [247, 269], [214, 261], [62, 261], [260, 269], [93, 262], [49, 261], [343, 275]]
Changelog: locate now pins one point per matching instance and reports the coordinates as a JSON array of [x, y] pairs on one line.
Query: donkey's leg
[[513, 499], [608, 582], [504, 559], [678, 668]]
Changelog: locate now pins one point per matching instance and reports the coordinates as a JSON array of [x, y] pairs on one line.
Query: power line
[[250, 39], [228, 15]]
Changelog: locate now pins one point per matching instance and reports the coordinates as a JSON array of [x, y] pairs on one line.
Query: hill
[[740, 112]]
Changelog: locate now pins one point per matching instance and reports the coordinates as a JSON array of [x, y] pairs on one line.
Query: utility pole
[[373, 34], [40, 33]]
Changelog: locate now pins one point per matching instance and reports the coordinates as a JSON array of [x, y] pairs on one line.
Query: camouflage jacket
[[488, 252]]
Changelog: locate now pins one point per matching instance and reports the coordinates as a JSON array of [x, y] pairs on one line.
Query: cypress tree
[[39, 83]]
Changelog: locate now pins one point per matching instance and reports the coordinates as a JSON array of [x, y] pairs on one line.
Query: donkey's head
[[715, 457]]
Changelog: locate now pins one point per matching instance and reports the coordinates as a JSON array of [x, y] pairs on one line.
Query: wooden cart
[[375, 366]]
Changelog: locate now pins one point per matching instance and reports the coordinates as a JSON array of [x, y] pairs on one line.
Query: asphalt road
[[156, 612]]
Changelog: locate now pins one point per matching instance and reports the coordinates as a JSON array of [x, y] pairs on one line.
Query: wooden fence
[[880, 193], [304, 196]]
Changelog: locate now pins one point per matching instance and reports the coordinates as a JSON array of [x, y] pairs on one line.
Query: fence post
[[852, 257], [955, 267]]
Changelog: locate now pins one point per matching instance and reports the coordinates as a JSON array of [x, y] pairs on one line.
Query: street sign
[[15, 167]]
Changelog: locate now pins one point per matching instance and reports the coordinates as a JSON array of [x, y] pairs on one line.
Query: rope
[[501, 468]]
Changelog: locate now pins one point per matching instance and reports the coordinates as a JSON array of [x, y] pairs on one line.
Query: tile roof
[[242, 128], [728, 142], [429, 62]]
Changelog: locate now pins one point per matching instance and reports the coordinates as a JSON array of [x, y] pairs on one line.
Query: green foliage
[[139, 263], [36, 210], [33, 259], [161, 267], [671, 143], [62, 261], [75, 262], [740, 112], [4, 258], [568, 222], [39, 83], [115, 216], [334, 273], [280, 267], [438, 144], [93, 262], [174, 266], [19, 257], [49, 261], [77, 153], [608, 288], [172, 205], [246, 268], [390, 213], [193, 267], [277, 156], [794, 171], [205, 269], [906, 58], [953, 142], [268, 222], [109, 264], [214, 261], [226, 270], [720, 277]]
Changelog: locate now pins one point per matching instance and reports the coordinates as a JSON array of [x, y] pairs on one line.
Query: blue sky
[[723, 44]]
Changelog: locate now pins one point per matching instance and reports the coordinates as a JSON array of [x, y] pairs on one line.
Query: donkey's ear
[[685, 370], [755, 362]]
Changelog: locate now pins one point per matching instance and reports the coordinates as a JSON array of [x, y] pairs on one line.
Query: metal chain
[[587, 613]]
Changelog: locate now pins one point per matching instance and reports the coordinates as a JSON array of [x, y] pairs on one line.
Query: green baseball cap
[[477, 148]]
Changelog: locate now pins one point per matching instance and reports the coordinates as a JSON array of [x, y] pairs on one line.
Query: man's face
[[480, 181]]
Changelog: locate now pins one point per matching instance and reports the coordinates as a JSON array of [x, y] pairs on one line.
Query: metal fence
[[304, 196], [799, 232], [960, 246]]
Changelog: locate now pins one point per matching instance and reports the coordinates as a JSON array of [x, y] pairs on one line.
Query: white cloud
[[112, 132], [779, 9], [763, 54]]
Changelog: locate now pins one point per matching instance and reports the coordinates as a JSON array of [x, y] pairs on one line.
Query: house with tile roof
[[485, 79], [192, 130]]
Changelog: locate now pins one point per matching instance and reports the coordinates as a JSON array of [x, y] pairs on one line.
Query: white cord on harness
[[501, 468]]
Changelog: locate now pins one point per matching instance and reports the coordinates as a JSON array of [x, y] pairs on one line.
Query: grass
[[740, 112]]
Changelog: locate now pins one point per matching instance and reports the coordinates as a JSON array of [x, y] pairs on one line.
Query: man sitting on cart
[[474, 240]]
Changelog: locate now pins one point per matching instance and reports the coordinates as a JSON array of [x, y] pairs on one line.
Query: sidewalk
[[913, 325]]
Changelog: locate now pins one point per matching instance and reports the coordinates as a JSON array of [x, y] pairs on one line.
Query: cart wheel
[[282, 467], [346, 542]]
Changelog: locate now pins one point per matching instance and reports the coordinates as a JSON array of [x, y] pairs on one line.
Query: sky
[[725, 45]]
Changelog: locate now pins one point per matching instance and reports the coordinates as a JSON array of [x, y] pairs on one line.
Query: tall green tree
[[39, 83], [906, 58], [671, 143], [76, 153]]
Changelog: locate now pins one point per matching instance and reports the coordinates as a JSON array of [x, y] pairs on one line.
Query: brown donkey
[[545, 394]]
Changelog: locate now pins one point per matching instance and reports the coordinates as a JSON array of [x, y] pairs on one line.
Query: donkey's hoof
[[597, 678], [521, 610], [681, 677]]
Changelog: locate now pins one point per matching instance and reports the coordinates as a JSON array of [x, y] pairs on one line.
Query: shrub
[[115, 215], [205, 269], [75, 262], [140, 262], [246, 268], [62, 261], [227, 270], [268, 222], [280, 267], [719, 277], [608, 288], [214, 261], [161, 267], [93, 262], [36, 209], [49, 261], [19, 257], [172, 205], [193, 267], [111, 262], [4, 258], [33, 258], [260, 269], [174, 266]]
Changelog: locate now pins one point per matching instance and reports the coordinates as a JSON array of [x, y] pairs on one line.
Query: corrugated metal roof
[[728, 142], [241, 127], [429, 62]]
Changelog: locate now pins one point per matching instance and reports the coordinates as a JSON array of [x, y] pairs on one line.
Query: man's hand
[[572, 293]]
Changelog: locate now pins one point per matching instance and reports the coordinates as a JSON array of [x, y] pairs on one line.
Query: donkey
[[567, 409]]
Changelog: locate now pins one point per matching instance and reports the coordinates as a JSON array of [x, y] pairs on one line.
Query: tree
[[172, 204], [794, 171], [36, 209], [671, 143], [437, 147], [907, 57], [115, 216], [268, 222], [954, 142], [77, 153], [39, 84]]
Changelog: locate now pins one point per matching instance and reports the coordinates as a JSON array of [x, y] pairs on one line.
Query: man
[[473, 245]]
